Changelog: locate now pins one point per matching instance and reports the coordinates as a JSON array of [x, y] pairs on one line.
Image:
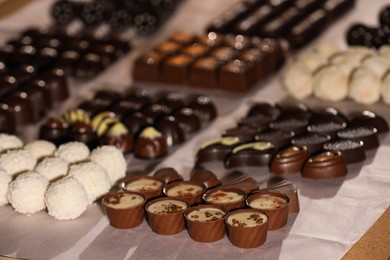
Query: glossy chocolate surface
[[325, 165]]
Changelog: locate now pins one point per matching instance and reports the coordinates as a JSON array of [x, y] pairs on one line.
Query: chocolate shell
[[250, 154], [208, 178], [368, 118], [289, 160], [312, 142], [217, 149], [168, 175], [288, 188], [352, 151], [150, 144], [325, 165], [366, 134]]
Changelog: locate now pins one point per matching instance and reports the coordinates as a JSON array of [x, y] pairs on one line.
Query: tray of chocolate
[[148, 125], [211, 62], [204, 205], [297, 21], [294, 138]]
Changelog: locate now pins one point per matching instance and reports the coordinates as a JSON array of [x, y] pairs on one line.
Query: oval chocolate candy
[[325, 165], [289, 160]]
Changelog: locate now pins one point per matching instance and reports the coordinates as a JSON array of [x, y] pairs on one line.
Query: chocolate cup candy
[[229, 205], [152, 187], [288, 188], [127, 217], [289, 160], [312, 142], [247, 237], [208, 178], [187, 193], [210, 231], [168, 223], [168, 175], [325, 165], [278, 215], [366, 134], [250, 154], [368, 118], [352, 151]]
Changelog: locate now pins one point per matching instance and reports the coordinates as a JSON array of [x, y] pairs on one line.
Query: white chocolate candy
[[223, 197], [184, 190], [377, 64], [144, 185], [124, 201], [364, 86], [347, 61], [247, 219], [331, 83], [164, 207], [326, 49], [205, 214], [312, 60], [385, 88], [384, 51], [298, 80]]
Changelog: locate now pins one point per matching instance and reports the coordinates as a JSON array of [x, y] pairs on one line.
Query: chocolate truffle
[[250, 154], [150, 144], [367, 134], [169, 127], [325, 165], [168, 175], [312, 142], [352, 151], [217, 149], [289, 160], [54, 130], [187, 120], [204, 108]]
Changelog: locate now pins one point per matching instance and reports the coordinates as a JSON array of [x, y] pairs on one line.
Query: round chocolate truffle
[[170, 129], [150, 144], [187, 120], [54, 130], [204, 108]]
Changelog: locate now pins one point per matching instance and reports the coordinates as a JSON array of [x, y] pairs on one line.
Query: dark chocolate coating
[[108, 96], [83, 132], [352, 151], [204, 108], [368, 118], [326, 127], [367, 134], [20, 107], [171, 101], [289, 160], [124, 141], [7, 122], [57, 86], [148, 67], [290, 124], [245, 133], [168, 175], [135, 123], [269, 109], [277, 138], [251, 154], [258, 121], [208, 178], [154, 111], [93, 107], [325, 165], [312, 142], [187, 120], [170, 129], [55, 131], [90, 64], [216, 150], [150, 148]]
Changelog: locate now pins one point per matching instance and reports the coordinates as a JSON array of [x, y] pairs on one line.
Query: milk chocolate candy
[[368, 118], [352, 151], [277, 138], [366, 134], [208, 178], [325, 165], [148, 67], [168, 175], [211, 40], [230, 198], [167, 48], [217, 149], [149, 186], [191, 191], [223, 54], [203, 73], [289, 160], [238, 42], [312, 142], [183, 38], [195, 51], [259, 60], [250, 154], [239, 180], [175, 70]]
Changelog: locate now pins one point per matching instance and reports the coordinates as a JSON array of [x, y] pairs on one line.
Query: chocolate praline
[[92, 107], [325, 165], [90, 64], [7, 122], [56, 84], [289, 160], [168, 175], [254, 154], [245, 133], [352, 151], [20, 108], [217, 149], [208, 178], [204, 108], [108, 96], [312, 142], [299, 110], [258, 121], [119, 136], [277, 138], [368, 118], [148, 67], [171, 100], [135, 122], [269, 109], [170, 129], [290, 124], [150, 144], [187, 120], [54, 131], [83, 132], [288, 188], [367, 134], [154, 111], [327, 127]]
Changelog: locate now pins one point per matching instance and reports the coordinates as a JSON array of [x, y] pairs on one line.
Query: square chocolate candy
[[147, 67], [237, 75], [204, 73], [175, 70]]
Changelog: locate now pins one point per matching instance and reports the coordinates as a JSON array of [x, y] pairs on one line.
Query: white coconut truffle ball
[[347, 61], [8, 142], [40, 148], [377, 64], [384, 51], [5, 179], [298, 80], [313, 60], [52, 167], [385, 88], [27, 192], [331, 83], [73, 152], [326, 49], [112, 160], [93, 177], [364, 86], [17, 161], [66, 199]]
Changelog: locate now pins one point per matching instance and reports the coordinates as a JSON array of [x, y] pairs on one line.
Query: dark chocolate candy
[[290, 124], [203, 73], [289, 160], [254, 20], [56, 84], [175, 69], [167, 48], [270, 109], [187, 120], [168, 175], [195, 51], [368, 118], [245, 133], [91, 64], [212, 40], [108, 96], [7, 122], [250, 154], [259, 121], [154, 111], [169, 127], [118, 135], [312, 142], [83, 132], [208, 178], [171, 100], [223, 54], [148, 67], [55, 131], [135, 122], [150, 144], [297, 111], [277, 138], [217, 149], [278, 26], [337, 8], [20, 107], [367, 134], [93, 107], [325, 165], [204, 108], [352, 151], [237, 76], [326, 127], [238, 42]]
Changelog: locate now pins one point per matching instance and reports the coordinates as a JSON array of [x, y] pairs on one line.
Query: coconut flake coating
[[5, 179], [93, 177], [17, 161], [52, 167], [73, 152], [66, 199], [9, 142], [40, 148], [27, 192], [112, 160]]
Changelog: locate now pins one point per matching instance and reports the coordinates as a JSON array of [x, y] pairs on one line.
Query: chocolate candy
[[368, 118], [250, 154], [150, 144], [289, 160], [203, 107], [366, 134], [245, 133], [204, 73], [118, 135], [208, 178], [290, 124], [312, 142], [83, 132], [325, 165], [187, 120], [168, 175], [217, 149], [269, 109], [352, 151], [54, 130], [176, 70], [171, 130], [285, 187], [7, 123], [277, 138]]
